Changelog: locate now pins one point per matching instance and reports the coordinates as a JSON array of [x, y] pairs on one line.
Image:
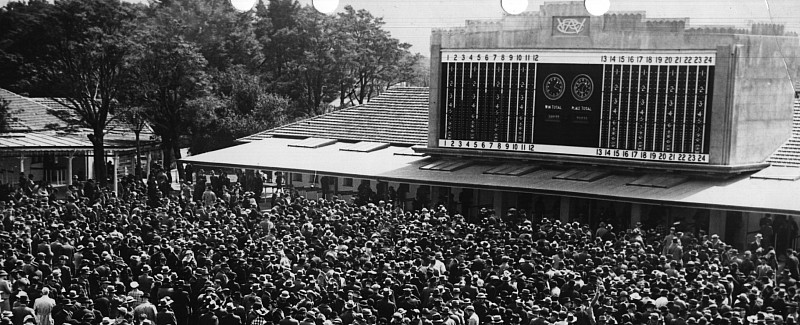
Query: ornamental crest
[[570, 25]]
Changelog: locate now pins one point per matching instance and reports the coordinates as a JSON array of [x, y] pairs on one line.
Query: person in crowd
[[5, 291], [43, 307], [209, 197]]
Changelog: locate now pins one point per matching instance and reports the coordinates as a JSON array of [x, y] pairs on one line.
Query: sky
[[411, 21]]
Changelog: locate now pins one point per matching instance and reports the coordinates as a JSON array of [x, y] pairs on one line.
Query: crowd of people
[[162, 257]]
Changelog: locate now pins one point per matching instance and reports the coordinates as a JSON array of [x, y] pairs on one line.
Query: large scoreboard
[[643, 105]]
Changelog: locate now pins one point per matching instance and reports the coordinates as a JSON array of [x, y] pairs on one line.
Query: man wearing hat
[[481, 306], [21, 308], [146, 308], [65, 312], [87, 318], [5, 291], [472, 317], [43, 307], [136, 294], [146, 280], [182, 302], [386, 306], [756, 243], [258, 315], [165, 315]]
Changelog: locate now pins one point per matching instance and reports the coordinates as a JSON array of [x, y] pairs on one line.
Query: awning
[[742, 193], [55, 142]]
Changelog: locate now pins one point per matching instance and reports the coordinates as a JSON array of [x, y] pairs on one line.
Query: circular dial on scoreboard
[[554, 86], [582, 87]]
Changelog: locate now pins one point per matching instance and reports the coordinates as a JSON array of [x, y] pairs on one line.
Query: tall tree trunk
[[138, 166], [177, 151], [98, 147], [166, 149]]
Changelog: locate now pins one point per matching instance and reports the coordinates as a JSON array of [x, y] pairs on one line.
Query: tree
[[82, 59], [4, 117], [374, 61], [224, 36], [135, 118], [167, 73], [240, 106], [24, 31]]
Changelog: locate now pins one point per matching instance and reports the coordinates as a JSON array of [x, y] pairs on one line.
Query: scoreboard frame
[[574, 118]]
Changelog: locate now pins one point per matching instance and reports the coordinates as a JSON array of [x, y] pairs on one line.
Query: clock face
[[582, 87], [554, 86]]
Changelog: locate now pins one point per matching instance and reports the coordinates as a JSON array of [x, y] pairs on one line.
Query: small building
[[556, 113], [48, 140]]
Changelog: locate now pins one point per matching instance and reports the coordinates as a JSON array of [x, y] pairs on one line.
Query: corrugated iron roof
[[58, 141], [41, 140], [398, 116], [68, 114], [45, 124]]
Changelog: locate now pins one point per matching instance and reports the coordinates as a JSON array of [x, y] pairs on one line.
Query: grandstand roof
[[772, 190], [397, 116]]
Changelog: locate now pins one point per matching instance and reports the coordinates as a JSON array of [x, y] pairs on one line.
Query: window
[[347, 182], [297, 177]]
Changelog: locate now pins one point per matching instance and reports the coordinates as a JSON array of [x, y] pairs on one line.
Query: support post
[[716, 223], [116, 175], [147, 168], [89, 167], [69, 169], [565, 209], [21, 163], [636, 214], [498, 204]]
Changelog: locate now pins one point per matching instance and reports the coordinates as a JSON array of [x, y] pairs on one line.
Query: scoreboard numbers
[[641, 105]]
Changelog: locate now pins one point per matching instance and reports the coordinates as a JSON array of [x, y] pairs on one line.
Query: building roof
[[789, 153], [39, 141], [772, 190], [397, 116], [115, 127], [28, 115], [43, 124]]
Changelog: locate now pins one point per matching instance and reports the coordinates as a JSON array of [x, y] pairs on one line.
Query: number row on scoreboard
[[489, 145], [659, 59], [493, 57], [652, 155]]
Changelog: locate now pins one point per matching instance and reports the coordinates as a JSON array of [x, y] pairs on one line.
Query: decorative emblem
[[570, 25], [554, 86], [582, 87]]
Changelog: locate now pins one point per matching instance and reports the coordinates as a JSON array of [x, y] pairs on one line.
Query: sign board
[[643, 105]]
